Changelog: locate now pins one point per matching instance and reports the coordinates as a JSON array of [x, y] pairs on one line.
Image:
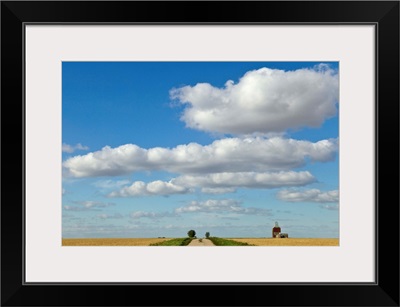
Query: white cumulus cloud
[[225, 155], [252, 180], [264, 100], [216, 183], [313, 195], [158, 187]]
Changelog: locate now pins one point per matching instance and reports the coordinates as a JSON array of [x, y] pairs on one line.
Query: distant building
[[276, 230]]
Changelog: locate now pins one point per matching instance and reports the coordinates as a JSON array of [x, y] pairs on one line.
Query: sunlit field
[[112, 242], [250, 241], [290, 241]]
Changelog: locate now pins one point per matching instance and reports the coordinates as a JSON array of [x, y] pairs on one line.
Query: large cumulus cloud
[[225, 155], [264, 101]]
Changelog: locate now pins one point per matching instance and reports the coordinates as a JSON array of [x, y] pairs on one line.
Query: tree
[[191, 233], [207, 234]]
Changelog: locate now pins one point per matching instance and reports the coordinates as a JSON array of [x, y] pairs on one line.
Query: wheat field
[[112, 241], [290, 241], [252, 241]]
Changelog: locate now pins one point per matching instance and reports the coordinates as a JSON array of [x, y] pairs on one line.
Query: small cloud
[[87, 205], [139, 188], [93, 204], [222, 205], [218, 190], [313, 195], [71, 148], [110, 184], [110, 216], [330, 207], [150, 215], [74, 208]]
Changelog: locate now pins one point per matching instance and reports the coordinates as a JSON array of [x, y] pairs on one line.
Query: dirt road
[[204, 242]]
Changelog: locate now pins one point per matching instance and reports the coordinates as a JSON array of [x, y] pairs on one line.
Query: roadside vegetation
[[225, 242], [174, 242], [192, 235]]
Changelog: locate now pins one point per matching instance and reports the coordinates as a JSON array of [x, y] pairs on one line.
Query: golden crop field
[[112, 241], [290, 241], [252, 241]]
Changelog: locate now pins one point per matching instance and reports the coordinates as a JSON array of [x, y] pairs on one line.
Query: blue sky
[[155, 149]]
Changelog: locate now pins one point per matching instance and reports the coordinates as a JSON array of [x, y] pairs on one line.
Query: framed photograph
[[240, 153]]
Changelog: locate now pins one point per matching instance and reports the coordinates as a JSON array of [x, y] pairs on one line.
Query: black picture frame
[[383, 14]]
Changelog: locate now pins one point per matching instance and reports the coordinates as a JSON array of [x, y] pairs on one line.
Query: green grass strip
[[225, 242], [174, 242]]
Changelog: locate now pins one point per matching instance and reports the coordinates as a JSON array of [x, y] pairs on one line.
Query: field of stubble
[[112, 242], [251, 241], [290, 241]]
